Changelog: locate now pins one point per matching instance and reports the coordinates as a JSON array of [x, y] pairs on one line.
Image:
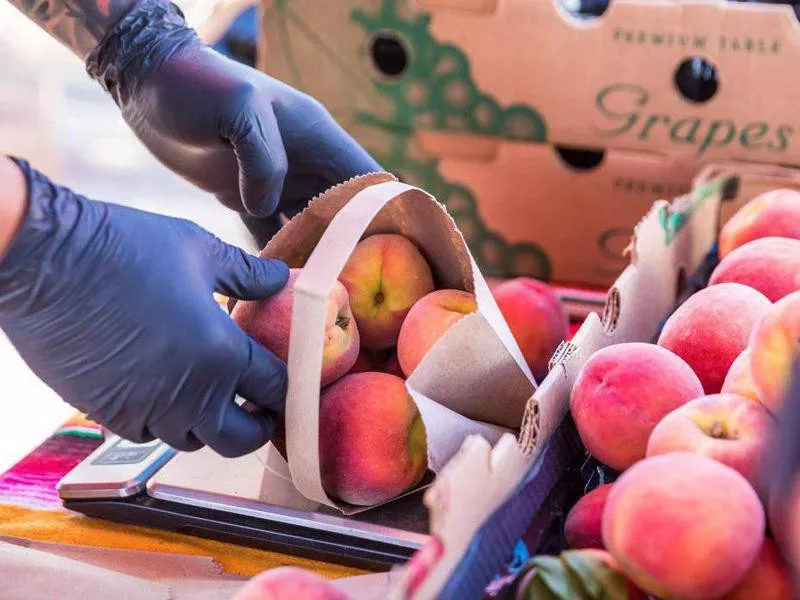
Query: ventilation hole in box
[[730, 189], [580, 159], [389, 54], [611, 311], [585, 9], [680, 282], [697, 79]]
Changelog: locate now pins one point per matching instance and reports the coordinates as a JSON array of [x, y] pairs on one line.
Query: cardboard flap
[[445, 429], [472, 371], [464, 494], [477, 368], [667, 246]]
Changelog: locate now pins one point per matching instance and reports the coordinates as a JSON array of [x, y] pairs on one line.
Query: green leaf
[[599, 580], [574, 575]]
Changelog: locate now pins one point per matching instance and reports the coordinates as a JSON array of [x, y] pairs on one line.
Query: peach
[[289, 583], [712, 328], [269, 322], [739, 379], [584, 525], [536, 318], [768, 579], [769, 265], [385, 276], [728, 428], [427, 321], [683, 526], [371, 439], [621, 394], [774, 345], [773, 214]]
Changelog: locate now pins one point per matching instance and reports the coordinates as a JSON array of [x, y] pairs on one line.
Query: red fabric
[[31, 483]]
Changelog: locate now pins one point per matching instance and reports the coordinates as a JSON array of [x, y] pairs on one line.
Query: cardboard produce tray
[[486, 499]]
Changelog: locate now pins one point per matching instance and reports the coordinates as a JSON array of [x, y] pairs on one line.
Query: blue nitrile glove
[[785, 466], [113, 308], [259, 145]]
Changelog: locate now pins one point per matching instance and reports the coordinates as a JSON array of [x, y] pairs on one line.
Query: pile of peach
[[383, 315], [690, 420]]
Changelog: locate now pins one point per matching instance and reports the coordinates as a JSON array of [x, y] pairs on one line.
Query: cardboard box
[[486, 497], [531, 210], [464, 121], [527, 70]]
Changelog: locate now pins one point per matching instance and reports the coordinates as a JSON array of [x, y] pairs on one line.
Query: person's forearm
[[12, 201], [80, 24]]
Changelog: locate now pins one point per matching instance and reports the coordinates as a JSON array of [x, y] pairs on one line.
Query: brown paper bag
[[473, 381]]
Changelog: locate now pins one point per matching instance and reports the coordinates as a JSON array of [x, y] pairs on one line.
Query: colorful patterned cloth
[[31, 483], [30, 508]]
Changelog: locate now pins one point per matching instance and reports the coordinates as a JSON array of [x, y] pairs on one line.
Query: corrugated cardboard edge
[[670, 240], [320, 239]]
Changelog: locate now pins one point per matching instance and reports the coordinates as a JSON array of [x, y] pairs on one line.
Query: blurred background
[[61, 121]]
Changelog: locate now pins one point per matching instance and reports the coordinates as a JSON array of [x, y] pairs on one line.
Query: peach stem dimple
[[718, 430], [342, 321]]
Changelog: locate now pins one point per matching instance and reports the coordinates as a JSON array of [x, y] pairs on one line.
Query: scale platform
[[248, 500]]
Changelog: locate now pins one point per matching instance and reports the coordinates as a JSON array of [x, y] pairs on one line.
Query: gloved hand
[[113, 308], [256, 143]]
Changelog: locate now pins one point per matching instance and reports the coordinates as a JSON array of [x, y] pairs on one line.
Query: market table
[[30, 508]]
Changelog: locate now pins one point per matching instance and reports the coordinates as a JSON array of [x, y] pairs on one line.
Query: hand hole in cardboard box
[[697, 79], [580, 159], [390, 54]]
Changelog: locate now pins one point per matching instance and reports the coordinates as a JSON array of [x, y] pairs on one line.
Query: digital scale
[[248, 500], [251, 501]]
